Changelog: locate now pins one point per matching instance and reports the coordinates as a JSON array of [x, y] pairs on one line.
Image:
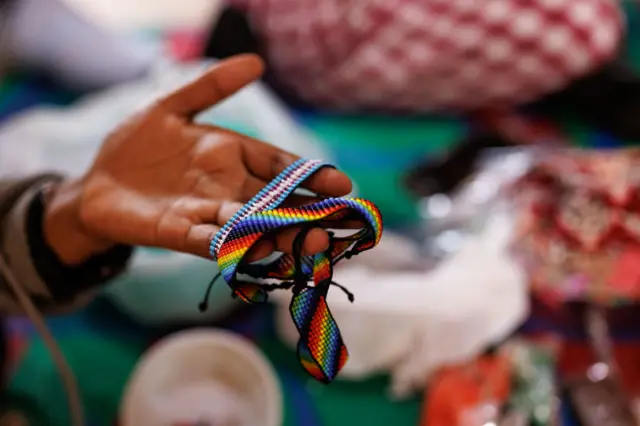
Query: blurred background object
[[49, 37], [203, 377], [126, 15]]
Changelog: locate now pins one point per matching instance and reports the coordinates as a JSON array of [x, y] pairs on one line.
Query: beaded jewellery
[[321, 350]]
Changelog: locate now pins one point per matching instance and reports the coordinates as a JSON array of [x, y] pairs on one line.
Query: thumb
[[221, 81]]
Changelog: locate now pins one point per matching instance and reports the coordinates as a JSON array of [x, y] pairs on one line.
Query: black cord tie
[[299, 279], [350, 295], [204, 304]]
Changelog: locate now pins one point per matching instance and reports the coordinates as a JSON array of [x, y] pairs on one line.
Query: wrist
[[63, 229]]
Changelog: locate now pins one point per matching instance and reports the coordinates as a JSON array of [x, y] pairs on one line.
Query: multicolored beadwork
[[269, 197], [321, 350]]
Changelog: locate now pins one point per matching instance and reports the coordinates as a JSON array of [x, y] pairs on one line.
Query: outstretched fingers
[[220, 82]]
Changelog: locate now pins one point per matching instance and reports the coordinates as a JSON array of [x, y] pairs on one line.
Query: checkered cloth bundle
[[432, 55]]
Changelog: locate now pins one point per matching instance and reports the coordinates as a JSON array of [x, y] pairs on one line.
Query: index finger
[[220, 82]]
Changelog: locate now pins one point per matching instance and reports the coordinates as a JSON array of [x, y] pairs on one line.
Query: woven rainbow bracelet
[[321, 350]]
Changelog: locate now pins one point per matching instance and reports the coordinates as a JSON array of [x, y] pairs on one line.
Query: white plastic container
[[207, 375]]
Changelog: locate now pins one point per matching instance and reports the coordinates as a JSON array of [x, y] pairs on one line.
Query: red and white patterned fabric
[[426, 55]]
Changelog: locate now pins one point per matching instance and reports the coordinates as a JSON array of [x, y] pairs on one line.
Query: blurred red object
[[435, 54], [522, 129], [459, 389], [578, 235], [17, 346], [576, 357], [185, 45]]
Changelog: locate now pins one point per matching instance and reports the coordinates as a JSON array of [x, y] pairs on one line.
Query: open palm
[[162, 180]]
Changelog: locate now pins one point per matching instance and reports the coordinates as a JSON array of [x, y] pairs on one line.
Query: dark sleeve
[[30, 262]]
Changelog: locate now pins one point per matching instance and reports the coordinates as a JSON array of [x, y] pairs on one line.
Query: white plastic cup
[[205, 375]]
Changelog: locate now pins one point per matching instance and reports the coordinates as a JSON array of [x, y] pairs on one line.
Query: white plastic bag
[[409, 323], [414, 313], [160, 286]]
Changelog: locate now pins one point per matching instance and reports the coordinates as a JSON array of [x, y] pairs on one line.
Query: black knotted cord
[[299, 281], [204, 304]]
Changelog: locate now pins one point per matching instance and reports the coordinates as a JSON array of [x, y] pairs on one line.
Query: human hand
[[161, 180]]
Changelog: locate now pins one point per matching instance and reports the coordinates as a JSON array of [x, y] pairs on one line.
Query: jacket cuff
[[36, 265], [15, 240]]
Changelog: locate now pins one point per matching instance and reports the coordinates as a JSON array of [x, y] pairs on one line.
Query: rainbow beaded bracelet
[[321, 350]]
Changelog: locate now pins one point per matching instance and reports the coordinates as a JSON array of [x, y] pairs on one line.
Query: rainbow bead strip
[[269, 197], [321, 350]]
